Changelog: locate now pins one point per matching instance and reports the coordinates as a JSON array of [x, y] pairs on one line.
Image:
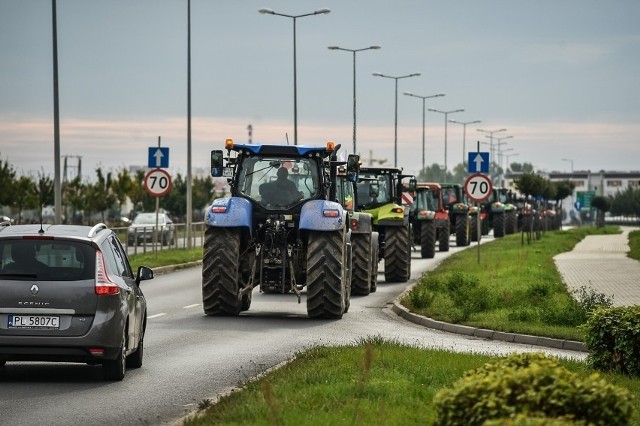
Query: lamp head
[[265, 10]]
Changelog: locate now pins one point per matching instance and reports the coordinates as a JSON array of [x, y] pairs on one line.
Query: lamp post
[[395, 126], [446, 114], [424, 98], [502, 155], [464, 137], [295, 83], [499, 144], [490, 136], [509, 156], [570, 161], [354, 51]]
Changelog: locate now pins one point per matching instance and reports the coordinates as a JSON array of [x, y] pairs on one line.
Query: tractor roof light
[[331, 146], [228, 144]]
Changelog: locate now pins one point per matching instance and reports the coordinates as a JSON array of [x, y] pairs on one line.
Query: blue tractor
[[281, 230]]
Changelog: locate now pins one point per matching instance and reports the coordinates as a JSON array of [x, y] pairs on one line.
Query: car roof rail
[[96, 229], [4, 224]]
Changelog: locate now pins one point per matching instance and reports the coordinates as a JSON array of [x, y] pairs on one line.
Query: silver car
[[68, 294], [143, 229]]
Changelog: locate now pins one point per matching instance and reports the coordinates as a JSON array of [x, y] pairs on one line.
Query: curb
[[171, 268], [549, 342]]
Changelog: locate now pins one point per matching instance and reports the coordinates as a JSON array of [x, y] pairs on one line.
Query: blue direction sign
[[158, 157], [478, 162]]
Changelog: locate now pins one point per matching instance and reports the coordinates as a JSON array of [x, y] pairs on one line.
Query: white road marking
[[156, 315], [191, 306]]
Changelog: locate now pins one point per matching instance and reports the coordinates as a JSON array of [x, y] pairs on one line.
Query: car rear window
[[47, 260]]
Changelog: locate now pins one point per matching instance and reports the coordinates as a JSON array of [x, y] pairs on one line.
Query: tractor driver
[[282, 191]]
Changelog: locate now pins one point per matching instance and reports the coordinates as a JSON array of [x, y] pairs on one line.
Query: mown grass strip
[[514, 288], [372, 382]]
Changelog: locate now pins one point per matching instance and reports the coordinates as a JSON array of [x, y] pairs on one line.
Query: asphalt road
[[190, 357]]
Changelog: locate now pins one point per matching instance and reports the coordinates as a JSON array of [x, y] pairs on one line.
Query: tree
[[74, 196], [176, 201], [564, 189], [603, 204], [530, 184], [434, 173], [7, 183], [121, 187], [522, 167], [100, 195], [24, 196]]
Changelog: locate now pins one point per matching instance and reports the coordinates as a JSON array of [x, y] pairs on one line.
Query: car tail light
[[96, 351], [104, 286], [219, 209]]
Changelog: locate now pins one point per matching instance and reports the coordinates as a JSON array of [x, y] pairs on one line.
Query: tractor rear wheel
[[498, 225], [511, 223], [397, 254], [443, 237], [326, 275], [361, 279], [428, 240], [220, 271], [462, 230]]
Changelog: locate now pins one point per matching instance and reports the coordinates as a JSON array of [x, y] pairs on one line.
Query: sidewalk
[[600, 262]]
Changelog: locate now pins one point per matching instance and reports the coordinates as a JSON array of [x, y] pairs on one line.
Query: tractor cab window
[[278, 183], [345, 193], [374, 190]]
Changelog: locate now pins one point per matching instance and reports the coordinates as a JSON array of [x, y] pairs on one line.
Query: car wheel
[[135, 359], [114, 369]]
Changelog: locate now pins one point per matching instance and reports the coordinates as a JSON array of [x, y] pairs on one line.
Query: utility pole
[[250, 130]]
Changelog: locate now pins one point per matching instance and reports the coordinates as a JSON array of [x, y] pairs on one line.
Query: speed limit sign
[[157, 182], [478, 187]]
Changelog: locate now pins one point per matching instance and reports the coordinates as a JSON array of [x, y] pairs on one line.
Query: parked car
[[143, 229], [68, 294]]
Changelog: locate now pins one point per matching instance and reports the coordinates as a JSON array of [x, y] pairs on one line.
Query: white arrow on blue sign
[[158, 157], [478, 162]]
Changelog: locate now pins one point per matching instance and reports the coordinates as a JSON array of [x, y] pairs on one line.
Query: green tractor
[[379, 193], [429, 219], [460, 223]]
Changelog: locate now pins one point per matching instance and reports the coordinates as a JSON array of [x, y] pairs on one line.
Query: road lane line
[[156, 315], [191, 306]]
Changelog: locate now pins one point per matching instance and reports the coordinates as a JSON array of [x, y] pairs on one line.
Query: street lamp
[[423, 115], [354, 51], [464, 137], [509, 156], [571, 161], [395, 126], [295, 83], [446, 114], [491, 132]]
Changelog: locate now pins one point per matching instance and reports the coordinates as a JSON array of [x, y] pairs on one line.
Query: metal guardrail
[[180, 241]]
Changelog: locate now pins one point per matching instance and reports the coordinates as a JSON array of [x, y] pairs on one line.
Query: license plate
[[33, 321], [227, 172]]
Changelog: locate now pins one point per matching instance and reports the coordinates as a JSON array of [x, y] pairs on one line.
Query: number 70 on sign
[[478, 187]]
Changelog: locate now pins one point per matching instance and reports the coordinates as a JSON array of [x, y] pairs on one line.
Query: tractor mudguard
[[322, 215], [392, 214], [361, 223], [230, 212]]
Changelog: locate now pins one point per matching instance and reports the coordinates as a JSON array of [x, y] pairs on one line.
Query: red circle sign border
[[487, 178], [165, 191]]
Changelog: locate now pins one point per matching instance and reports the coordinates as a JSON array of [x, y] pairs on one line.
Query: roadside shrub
[[420, 297], [612, 336], [537, 292], [532, 385], [525, 420], [589, 299], [466, 293], [524, 314], [568, 313]]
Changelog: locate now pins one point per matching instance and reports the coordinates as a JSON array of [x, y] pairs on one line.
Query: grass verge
[[513, 288], [165, 257], [372, 382]]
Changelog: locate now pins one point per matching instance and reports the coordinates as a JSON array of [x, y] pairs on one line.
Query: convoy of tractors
[[305, 218]]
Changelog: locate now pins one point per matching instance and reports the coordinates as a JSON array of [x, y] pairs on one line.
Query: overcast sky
[[562, 76]]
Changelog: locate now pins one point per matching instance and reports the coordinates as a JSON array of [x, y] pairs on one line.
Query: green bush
[[534, 385], [525, 420], [613, 339]]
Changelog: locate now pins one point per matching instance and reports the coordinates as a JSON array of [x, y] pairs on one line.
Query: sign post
[[478, 188]]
